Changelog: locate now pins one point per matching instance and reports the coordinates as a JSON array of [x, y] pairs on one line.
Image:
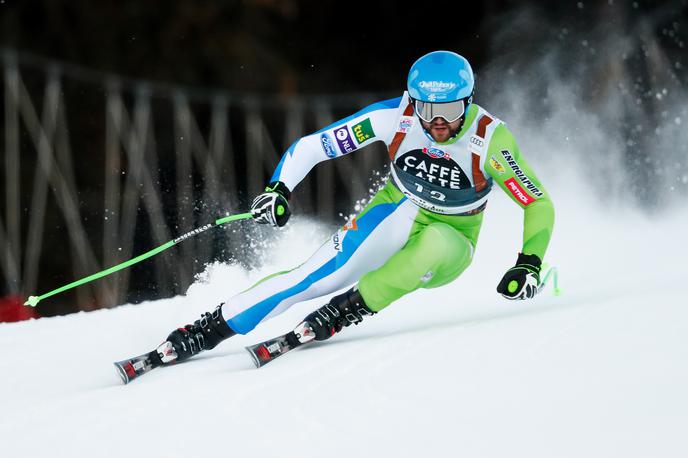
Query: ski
[[262, 353], [265, 352], [132, 368]]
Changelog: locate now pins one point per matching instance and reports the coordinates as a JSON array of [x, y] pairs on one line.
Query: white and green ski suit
[[421, 229]]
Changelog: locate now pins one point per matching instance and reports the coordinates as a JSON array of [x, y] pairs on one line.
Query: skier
[[419, 231]]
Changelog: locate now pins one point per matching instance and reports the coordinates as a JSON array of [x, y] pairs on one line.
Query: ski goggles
[[449, 111]]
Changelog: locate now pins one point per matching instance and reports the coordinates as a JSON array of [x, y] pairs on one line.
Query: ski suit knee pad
[[446, 254], [434, 256]]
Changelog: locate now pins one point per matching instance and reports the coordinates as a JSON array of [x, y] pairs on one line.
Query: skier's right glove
[[272, 206], [522, 280]]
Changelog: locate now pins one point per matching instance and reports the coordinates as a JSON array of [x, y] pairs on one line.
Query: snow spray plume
[[608, 99]]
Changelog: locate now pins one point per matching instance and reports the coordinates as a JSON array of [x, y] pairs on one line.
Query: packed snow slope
[[600, 371]]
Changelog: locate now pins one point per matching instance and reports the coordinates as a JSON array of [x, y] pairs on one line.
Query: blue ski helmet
[[440, 77]]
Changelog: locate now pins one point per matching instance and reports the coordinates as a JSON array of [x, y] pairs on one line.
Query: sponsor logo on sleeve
[[518, 192], [328, 145], [363, 131], [522, 177], [406, 124], [497, 166], [344, 140], [337, 242]]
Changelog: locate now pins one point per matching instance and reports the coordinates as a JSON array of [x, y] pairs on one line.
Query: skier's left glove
[[522, 280], [272, 206]]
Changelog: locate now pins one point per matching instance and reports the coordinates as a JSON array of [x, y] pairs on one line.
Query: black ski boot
[[343, 310], [204, 334]]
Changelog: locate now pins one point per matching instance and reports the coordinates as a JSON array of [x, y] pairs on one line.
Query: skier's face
[[441, 130]]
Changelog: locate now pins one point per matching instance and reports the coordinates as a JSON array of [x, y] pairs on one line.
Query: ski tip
[[260, 354], [254, 357], [122, 372]]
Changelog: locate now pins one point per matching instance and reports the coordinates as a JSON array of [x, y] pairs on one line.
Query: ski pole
[[551, 272], [32, 301]]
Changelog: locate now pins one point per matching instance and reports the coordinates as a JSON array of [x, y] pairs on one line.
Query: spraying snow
[[599, 371]]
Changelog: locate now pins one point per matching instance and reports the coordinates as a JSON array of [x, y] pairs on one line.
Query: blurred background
[[128, 123]]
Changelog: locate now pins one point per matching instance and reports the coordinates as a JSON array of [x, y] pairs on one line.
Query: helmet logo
[[437, 86]]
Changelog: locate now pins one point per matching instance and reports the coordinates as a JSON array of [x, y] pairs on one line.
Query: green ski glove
[[272, 206], [522, 280]]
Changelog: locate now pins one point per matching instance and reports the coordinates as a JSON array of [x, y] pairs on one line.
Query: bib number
[[433, 193]]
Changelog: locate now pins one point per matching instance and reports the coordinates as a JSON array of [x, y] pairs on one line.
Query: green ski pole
[[34, 300], [551, 272]]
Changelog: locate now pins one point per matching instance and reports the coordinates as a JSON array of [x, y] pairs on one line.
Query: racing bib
[[434, 181]]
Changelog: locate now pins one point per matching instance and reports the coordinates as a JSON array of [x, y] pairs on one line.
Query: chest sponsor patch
[[435, 166], [406, 124], [518, 192], [363, 131], [477, 142], [344, 140], [328, 145], [522, 177]]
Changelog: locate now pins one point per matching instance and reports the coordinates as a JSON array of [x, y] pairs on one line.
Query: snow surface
[[600, 371]]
